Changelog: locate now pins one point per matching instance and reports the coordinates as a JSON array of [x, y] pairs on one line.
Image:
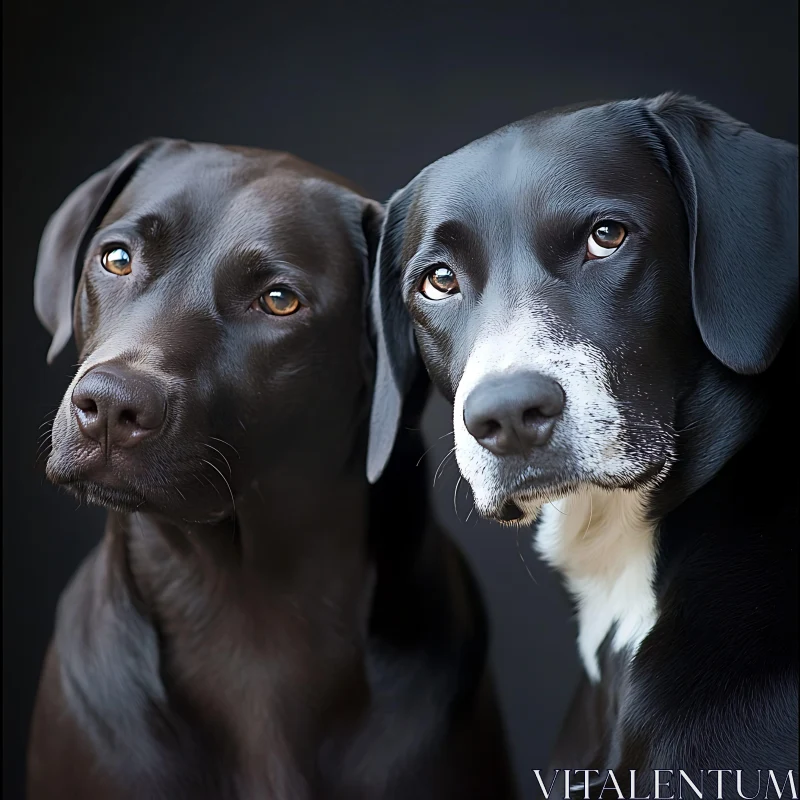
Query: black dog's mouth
[[519, 503], [510, 512]]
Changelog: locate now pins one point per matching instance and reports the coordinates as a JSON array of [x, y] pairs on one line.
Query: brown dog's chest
[[266, 679]]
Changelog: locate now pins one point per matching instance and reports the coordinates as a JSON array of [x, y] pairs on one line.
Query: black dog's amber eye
[[606, 237], [117, 261], [440, 282], [280, 302]]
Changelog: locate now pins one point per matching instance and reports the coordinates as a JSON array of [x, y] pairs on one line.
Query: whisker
[[209, 482], [424, 454], [230, 471], [553, 505], [522, 558], [217, 439], [233, 501], [591, 511], [42, 447], [687, 428], [40, 456], [455, 497], [441, 464]]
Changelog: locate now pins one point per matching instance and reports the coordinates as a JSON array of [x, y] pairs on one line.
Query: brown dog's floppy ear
[[739, 189], [397, 360], [368, 236], [65, 238]]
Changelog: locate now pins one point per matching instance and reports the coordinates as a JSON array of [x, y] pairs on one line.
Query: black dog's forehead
[[582, 163], [205, 204]]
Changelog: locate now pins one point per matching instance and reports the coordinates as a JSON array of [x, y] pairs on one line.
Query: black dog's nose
[[114, 405], [511, 414]]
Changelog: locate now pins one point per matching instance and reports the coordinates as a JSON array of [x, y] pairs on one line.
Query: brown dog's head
[[219, 318]]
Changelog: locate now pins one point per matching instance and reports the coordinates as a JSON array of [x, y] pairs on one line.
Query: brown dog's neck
[[262, 622], [284, 538], [285, 552]]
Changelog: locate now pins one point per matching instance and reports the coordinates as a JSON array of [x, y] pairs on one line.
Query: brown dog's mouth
[[211, 518], [116, 499], [78, 479], [127, 501], [126, 484]]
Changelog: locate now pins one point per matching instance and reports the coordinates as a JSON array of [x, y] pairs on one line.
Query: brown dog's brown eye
[[117, 261], [606, 237], [439, 283], [280, 302]]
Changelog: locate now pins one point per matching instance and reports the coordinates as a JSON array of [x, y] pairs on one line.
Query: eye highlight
[[439, 282], [117, 261], [279, 302], [605, 239]]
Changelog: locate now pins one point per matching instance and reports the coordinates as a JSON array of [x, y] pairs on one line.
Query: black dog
[[257, 623], [608, 295]]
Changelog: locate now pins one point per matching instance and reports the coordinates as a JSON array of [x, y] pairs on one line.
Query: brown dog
[[257, 622]]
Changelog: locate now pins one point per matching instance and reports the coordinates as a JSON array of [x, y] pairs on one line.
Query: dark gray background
[[371, 93]]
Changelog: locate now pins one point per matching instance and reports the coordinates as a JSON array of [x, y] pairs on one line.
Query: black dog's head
[[220, 320], [568, 279]]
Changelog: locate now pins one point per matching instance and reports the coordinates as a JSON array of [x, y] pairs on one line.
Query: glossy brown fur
[[257, 622]]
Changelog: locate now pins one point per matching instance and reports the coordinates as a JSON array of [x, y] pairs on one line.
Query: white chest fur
[[604, 547]]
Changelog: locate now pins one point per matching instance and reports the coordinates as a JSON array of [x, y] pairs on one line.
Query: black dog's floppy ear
[[65, 238], [739, 189], [397, 360]]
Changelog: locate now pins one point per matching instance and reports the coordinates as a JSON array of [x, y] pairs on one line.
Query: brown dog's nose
[[512, 414], [116, 406]]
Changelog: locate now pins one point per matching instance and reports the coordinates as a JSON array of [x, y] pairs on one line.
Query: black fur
[[700, 313]]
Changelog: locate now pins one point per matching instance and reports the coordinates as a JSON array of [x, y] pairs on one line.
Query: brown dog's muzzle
[[117, 407]]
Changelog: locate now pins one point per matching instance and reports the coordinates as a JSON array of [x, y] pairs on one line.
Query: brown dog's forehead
[[218, 199], [212, 177]]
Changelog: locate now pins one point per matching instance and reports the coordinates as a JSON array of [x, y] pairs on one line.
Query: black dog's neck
[[720, 414], [733, 470]]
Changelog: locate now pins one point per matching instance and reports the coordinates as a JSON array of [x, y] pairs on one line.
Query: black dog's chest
[[723, 649]]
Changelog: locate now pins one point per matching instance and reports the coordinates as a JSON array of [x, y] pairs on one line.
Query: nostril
[[510, 414], [127, 417], [118, 406], [533, 416], [85, 404], [139, 419], [491, 427], [89, 416]]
